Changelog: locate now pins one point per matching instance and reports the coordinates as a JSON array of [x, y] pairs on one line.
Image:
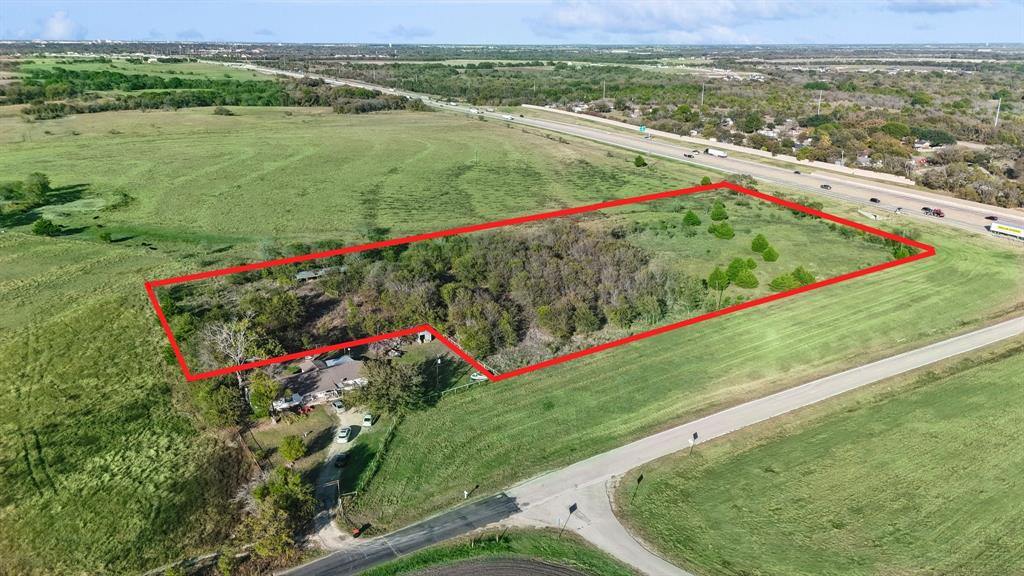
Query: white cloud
[[61, 27], [936, 6], [661, 20]]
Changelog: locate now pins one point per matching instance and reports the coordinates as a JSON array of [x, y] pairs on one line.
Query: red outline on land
[[925, 252]]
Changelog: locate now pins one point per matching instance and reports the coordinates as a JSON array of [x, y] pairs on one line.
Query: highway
[[963, 214], [545, 499]]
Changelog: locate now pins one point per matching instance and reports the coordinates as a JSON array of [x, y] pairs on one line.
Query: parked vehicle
[[826, 187], [339, 407], [367, 420], [477, 377], [474, 111], [343, 435], [937, 212], [715, 152], [874, 200], [340, 459]]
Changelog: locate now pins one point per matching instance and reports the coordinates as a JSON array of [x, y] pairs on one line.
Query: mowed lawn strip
[[920, 475], [545, 545], [495, 435]]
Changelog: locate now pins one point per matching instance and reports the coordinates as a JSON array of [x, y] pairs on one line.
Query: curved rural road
[[545, 499]]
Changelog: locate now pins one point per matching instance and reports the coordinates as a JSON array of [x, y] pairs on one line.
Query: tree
[[279, 310], [803, 276], [393, 387], [718, 212], [746, 279], [920, 99], [268, 530], [584, 319], [718, 281], [263, 391], [227, 561], [292, 448], [639, 161], [45, 227], [220, 405], [705, 181], [770, 255], [236, 341], [37, 188], [895, 129], [691, 218], [759, 243], [556, 320], [751, 122]]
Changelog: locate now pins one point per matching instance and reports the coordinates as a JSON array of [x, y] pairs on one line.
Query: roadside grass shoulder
[[495, 435], [568, 550], [915, 475]]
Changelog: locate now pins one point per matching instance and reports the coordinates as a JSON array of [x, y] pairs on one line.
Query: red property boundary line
[[925, 252]]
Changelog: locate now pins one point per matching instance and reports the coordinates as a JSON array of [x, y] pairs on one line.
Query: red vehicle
[[937, 212]]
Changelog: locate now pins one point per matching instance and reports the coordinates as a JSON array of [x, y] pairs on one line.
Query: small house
[[424, 336]]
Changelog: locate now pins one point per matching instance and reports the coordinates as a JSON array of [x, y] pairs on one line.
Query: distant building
[[424, 336]]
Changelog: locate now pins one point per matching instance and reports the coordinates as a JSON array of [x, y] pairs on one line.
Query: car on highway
[[796, 171], [506, 116], [874, 200], [477, 377], [367, 420], [992, 218], [343, 435], [685, 155], [826, 187], [937, 212]]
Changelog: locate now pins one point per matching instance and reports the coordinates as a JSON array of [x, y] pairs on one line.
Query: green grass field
[[167, 70], [567, 550], [920, 475], [103, 469]]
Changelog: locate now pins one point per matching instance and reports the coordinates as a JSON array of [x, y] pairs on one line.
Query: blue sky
[[523, 22]]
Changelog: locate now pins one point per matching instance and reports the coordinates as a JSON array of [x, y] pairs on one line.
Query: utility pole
[[998, 106], [702, 85], [604, 90], [818, 113]]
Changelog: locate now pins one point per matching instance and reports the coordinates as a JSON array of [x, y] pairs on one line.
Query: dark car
[[875, 200], [340, 459], [796, 171], [992, 218], [826, 187]]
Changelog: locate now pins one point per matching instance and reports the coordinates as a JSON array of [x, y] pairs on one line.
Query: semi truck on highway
[[1004, 230], [716, 153]]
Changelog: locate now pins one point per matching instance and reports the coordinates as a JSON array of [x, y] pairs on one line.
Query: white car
[[506, 116], [477, 377], [344, 435], [474, 111], [339, 407], [367, 420]]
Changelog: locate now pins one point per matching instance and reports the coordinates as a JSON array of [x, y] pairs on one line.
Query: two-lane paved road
[[544, 500]]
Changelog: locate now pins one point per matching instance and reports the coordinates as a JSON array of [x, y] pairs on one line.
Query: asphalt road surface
[[364, 554], [545, 499], [963, 214]]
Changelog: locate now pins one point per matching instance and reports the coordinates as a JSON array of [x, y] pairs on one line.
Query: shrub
[[691, 218], [722, 230], [718, 213], [105, 236], [44, 227], [770, 254], [705, 181], [292, 448], [783, 283], [759, 243], [222, 111], [803, 276], [746, 279], [639, 161], [735, 267], [751, 265]]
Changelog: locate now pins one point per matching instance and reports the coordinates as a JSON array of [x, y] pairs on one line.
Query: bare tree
[[236, 340]]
